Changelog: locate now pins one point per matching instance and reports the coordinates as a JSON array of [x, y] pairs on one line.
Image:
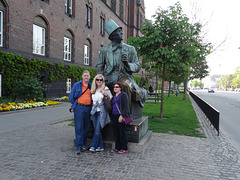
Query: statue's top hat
[[111, 26]]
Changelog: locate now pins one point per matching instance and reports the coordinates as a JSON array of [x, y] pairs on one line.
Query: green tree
[[194, 83], [170, 41], [236, 78], [226, 81]]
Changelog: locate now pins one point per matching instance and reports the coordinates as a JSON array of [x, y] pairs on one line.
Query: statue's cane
[[123, 58]]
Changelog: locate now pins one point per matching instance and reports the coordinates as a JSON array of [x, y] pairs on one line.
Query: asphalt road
[[228, 104]]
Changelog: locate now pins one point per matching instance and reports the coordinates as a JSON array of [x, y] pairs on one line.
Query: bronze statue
[[118, 61]]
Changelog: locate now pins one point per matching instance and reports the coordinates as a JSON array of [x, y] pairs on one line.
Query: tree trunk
[[169, 88], [156, 88], [162, 89], [185, 89]]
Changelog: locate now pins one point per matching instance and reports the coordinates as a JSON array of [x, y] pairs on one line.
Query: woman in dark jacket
[[120, 110]]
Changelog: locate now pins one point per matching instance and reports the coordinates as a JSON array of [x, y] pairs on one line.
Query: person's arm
[[108, 93], [71, 95], [125, 105]]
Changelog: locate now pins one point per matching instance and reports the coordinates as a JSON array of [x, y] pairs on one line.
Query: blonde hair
[[94, 85]]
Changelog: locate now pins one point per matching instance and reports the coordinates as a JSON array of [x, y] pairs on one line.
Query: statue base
[[135, 131], [136, 110]]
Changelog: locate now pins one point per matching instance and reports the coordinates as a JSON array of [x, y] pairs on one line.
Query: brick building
[[65, 31]]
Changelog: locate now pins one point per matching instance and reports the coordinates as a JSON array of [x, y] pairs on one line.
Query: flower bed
[[25, 105], [64, 98]]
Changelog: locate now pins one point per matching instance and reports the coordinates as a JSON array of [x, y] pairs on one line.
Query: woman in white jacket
[[99, 115]]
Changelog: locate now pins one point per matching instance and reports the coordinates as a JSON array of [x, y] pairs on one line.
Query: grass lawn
[[180, 117]]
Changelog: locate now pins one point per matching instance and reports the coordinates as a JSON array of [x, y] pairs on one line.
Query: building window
[[68, 7], [86, 54], [69, 85], [47, 1], [121, 9], [102, 22], [88, 16], [113, 5], [67, 49], [1, 28], [38, 40]]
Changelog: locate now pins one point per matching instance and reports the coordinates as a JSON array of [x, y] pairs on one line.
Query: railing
[[209, 111], [154, 94]]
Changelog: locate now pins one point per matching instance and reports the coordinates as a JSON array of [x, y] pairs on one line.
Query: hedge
[[15, 67]]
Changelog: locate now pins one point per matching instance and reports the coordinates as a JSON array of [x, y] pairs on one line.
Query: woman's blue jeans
[[97, 140], [81, 121]]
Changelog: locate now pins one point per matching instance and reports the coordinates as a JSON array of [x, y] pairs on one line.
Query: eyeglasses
[[99, 79], [116, 86]]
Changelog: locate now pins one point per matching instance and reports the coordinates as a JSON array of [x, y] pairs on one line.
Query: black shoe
[[78, 151], [84, 148]]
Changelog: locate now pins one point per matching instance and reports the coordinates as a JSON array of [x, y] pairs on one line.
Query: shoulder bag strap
[[117, 107], [83, 92]]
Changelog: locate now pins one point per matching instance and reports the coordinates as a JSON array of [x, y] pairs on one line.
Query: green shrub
[[14, 67], [28, 88]]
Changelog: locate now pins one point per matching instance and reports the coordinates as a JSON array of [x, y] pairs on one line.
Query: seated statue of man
[[118, 61]]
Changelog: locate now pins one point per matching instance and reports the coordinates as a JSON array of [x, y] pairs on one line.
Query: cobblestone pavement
[[46, 152]]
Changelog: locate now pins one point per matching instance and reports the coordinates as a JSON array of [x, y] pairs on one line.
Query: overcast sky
[[223, 19]]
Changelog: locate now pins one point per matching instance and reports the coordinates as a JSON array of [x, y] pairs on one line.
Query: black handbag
[[107, 105]]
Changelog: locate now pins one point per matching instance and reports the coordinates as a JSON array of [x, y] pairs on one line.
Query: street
[[228, 104]]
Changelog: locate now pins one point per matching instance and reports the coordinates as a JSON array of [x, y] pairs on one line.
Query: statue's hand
[[124, 59]]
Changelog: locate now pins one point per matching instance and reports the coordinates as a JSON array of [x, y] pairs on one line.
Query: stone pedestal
[[138, 135], [135, 131], [136, 110]]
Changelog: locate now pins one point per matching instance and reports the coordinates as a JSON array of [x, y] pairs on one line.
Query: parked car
[[211, 90]]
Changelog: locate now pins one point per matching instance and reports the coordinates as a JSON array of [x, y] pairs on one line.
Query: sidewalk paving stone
[[46, 152]]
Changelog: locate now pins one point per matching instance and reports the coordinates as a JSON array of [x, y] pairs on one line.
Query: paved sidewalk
[[13, 120], [46, 152]]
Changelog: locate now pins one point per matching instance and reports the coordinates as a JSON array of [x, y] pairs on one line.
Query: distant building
[[211, 81], [214, 81], [66, 31]]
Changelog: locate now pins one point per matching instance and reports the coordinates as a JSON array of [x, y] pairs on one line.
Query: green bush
[[141, 81], [14, 67], [28, 88]]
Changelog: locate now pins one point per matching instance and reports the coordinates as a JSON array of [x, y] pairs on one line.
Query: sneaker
[[99, 149], [122, 151], [92, 149], [78, 151], [114, 150]]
